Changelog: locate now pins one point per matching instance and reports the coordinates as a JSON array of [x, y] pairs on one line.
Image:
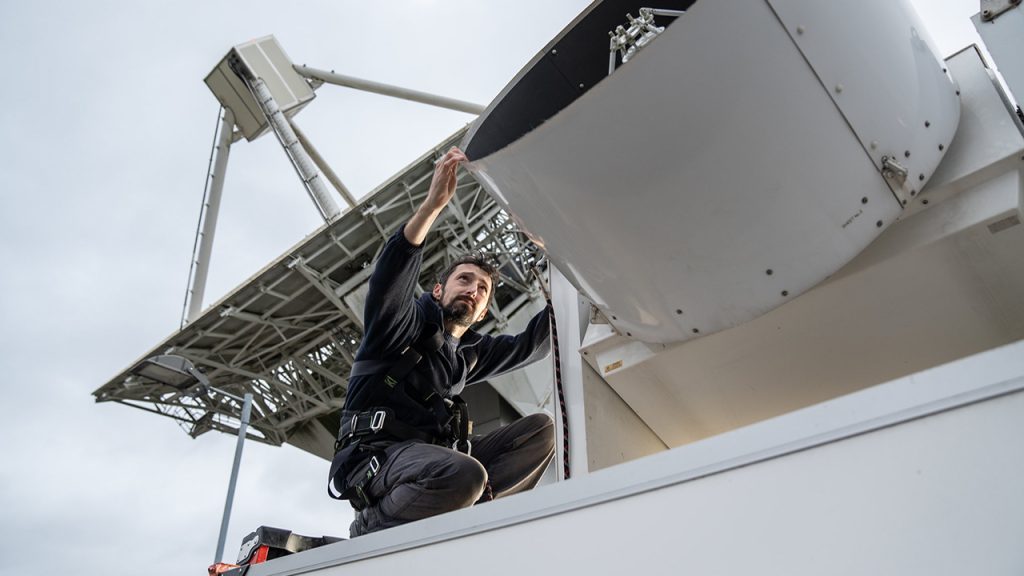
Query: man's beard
[[458, 312]]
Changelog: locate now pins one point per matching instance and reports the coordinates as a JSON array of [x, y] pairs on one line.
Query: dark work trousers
[[418, 480]]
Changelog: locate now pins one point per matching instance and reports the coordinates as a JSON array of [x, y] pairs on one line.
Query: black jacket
[[394, 318]]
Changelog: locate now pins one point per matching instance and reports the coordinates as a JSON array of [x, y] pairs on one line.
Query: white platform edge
[[967, 381]]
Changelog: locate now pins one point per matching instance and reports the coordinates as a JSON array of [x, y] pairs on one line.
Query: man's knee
[[473, 475], [464, 477], [543, 430]]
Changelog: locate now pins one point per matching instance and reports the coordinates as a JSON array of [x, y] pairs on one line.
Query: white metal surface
[[300, 159], [882, 70], [943, 283], [564, 301], [389, 90], [615, 434], [876, 482], [210, 211], [1004, 38], [988, 140], [713, 178], [267, 60], [945, 286], [322, 164]]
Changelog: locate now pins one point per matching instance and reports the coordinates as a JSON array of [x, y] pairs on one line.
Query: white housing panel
[[267, 60], [920, 476], [714, 176], [1004, 38]]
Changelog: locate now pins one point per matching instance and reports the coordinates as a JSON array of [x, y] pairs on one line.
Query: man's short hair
[[478, 260]]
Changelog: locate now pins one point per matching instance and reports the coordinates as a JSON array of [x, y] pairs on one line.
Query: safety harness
[[365, 429]]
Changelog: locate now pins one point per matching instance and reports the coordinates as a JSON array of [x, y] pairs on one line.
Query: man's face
[[464, 295]]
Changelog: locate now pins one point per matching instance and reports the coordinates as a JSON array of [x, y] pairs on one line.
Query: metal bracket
[[626, 41], [893, 171], [895, 175], [991, 9]]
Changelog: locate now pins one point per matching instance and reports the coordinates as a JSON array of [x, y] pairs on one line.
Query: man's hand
[[442, 189], [442, 185]]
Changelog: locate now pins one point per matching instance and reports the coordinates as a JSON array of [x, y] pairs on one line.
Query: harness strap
[[396, 370], [375, 423], [358, 494], [460, 425], [369, 367]]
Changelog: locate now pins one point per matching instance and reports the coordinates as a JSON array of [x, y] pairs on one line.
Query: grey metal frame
[[288, 336]]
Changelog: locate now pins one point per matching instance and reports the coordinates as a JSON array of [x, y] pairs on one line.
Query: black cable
[[557, 356]]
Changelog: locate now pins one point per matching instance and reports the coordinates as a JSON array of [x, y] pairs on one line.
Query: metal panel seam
[[831, 98]]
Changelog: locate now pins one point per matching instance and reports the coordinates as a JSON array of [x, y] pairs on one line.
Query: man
[[396, 460]]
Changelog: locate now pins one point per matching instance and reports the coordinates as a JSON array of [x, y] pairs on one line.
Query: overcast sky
[[107, 128]]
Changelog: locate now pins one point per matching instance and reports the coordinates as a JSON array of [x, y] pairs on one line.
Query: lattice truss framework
[[288, 336]]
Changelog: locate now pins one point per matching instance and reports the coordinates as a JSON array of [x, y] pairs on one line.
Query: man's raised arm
[[442, 188]]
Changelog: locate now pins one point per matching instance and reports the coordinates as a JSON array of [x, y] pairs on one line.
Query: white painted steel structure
[[265, 58], [733, 164], [208, 215], [1004, 37], [944, 282], [300, 159], [288, 335], [333, 77], [898, 479], [872, 424]]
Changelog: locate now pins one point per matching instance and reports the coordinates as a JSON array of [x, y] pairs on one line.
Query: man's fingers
[[451, 164], [452, 155], [446, 170]]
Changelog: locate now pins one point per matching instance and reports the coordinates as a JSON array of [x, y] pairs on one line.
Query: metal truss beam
[[288, 336]]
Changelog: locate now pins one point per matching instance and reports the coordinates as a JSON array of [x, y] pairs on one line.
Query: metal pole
[[322, 164], [389, 90], [246, 411], [212, 208], [298, 155], [565, 301]]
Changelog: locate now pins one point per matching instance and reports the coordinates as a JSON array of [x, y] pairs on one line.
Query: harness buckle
[[374, 466], [377, 421], [458, 446]]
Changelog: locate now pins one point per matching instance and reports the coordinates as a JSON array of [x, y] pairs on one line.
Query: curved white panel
[[884, 74], [712, 177]]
